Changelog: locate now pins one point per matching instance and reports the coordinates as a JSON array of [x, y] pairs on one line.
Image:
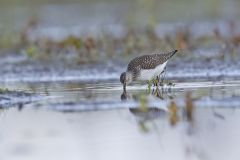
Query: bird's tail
[[170, 54], [167, 56]]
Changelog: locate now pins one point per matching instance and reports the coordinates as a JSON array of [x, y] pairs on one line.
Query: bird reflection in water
[[173, 114], [146, 114]]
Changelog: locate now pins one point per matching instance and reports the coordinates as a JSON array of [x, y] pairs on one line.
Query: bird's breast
[[148, 74]]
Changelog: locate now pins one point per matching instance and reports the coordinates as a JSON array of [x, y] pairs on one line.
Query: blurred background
[[104, 29], [87, 32]]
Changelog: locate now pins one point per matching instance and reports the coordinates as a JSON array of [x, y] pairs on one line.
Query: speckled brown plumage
[[148, 62]]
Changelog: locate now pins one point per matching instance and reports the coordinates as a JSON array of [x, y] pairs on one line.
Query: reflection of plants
[[143, 127], [173, 113], [189, 106], [188, 110], [143, 117], [143, 103]]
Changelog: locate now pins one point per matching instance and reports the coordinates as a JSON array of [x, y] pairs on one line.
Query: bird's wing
[[152, 61], [148, 61], [142, 62]]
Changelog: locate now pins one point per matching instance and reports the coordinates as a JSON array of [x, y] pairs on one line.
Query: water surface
[[121, 128]]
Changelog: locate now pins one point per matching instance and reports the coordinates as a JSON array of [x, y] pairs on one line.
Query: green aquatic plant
[[155, 81], [4, 90], [150, 83], [71, 41], [149, 87], [9, 40], [31, 51], [134, 42]]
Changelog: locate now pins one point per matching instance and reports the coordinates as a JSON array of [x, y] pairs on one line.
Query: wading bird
[[146, 67]]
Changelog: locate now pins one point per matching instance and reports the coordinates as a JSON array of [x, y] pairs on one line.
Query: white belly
[[151, 73]]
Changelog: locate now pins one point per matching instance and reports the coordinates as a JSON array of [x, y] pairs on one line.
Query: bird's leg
[[159, 93], [162, 75], [155, 82], [157, 79]]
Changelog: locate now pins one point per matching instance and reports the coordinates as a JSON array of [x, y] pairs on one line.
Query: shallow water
[[118, 127], [78, 96], [81, 112]]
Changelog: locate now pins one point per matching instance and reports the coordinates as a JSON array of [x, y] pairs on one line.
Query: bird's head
[[126, 78]]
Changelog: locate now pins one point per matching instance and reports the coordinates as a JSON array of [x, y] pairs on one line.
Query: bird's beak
[[124, 86]]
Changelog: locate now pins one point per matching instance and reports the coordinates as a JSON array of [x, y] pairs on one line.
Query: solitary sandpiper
[[146, 67]]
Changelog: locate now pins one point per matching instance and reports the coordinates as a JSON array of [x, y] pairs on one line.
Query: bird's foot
[[159, 81], [161, 77]]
